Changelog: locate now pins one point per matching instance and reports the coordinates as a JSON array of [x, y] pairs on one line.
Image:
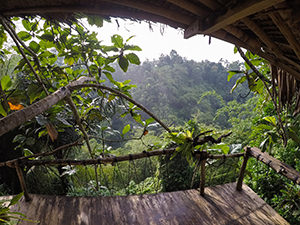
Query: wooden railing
[[278, 166], [201, 156]]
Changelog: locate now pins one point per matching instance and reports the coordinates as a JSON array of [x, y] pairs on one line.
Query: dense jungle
[[39, 56]]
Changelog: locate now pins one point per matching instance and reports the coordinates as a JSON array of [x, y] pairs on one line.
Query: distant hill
[[177, 89]]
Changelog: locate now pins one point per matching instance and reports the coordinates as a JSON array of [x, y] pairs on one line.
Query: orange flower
[[145, 132], [15, 107]]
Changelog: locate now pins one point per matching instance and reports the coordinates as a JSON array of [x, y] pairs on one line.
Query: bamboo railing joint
[[247, 154], [202, 174], [22, 181]]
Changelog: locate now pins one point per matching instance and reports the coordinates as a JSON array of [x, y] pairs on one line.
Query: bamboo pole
[[203, 157], [202, 181], [243, 168], [22, 181]]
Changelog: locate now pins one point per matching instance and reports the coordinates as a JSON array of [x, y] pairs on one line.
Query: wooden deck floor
[[221, 205]]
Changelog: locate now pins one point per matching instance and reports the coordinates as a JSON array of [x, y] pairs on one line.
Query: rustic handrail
[[277, 165], [111, 160]]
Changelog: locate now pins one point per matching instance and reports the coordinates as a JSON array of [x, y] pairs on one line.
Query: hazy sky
[[153, 43]]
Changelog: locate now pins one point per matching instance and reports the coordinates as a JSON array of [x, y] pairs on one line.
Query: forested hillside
[[66, 98], [177, 89]]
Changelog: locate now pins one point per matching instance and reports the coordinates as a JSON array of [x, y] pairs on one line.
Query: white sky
[[153, 43]]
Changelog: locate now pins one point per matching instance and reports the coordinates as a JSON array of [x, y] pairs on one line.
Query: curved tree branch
[[19, 117], [120, 94]]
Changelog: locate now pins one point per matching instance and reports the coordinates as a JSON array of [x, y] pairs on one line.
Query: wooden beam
[[286, 31], [277, 165], [243, 169], [243, 36], [212, 4], [191, 7], [192, 29], [101, 10], [156, 10], [267, 40], [242, 10], [228, 37]]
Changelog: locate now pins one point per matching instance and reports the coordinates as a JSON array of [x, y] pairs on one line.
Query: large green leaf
[[6, 82], [117, 40], [2, 111], [123, 63], [133, 58], [239, 81], [26, 24], [34, 46], [132, 48], [95, 20], [15, 199], [231, 73], [24, 36], [270, 119]]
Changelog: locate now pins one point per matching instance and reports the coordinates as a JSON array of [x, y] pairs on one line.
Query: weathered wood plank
[[212, 24], [286, 31], [242, 10], [191, 7], [278, 166], [221, 205]]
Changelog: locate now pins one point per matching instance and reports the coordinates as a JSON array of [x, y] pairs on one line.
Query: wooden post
[[22, 181], [243, 168], [203, 158]]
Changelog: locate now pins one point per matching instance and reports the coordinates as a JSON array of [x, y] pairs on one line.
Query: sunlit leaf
[[24, 36], [19, 138], [26, 24], [6, 82], [270, 119], [15, 199], [239, 81], [132, 48], [148, 121], [2, 111], [27, 152], [34, 46], [231, 73], [126, 129], [69, 60], [117, 40]]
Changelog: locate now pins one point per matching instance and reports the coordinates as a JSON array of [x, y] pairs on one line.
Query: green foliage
[[176, 174], [177, 89], [9, 217]]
